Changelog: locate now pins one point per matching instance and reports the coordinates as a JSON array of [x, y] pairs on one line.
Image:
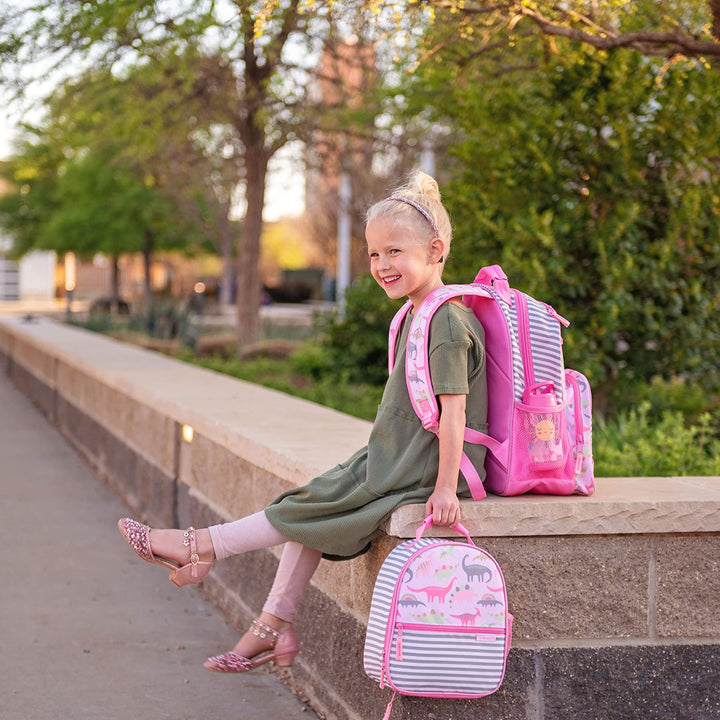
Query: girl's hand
[[444, 507]]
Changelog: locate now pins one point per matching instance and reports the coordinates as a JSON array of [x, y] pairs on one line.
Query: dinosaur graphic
[[463, 598], [482, 572], [467, 618], [423, 403], [418, 334], [424, 568], [410, 601], [435, 591], [444, 572], [488, 601]]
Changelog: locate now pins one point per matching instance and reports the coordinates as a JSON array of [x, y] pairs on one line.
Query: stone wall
[[615, 596]]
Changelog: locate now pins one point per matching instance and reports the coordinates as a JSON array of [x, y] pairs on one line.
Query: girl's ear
[[437, 250]]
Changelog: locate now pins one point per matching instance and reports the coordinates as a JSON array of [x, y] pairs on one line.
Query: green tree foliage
[[591, 176], [103, 206], [633, 444], [118, 168], [598, 195], [92, 204], [28, 207]]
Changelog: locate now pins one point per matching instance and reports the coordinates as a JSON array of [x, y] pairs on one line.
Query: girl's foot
[[269, 638], [173, 545], [188, 556]]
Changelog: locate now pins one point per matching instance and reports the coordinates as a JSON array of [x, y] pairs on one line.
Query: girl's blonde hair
[[418, 204]]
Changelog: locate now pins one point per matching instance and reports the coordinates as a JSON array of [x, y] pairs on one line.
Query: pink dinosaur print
[[435, 591], [467, 618]]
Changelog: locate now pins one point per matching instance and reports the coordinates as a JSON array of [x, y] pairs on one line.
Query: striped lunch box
[[439, 624]]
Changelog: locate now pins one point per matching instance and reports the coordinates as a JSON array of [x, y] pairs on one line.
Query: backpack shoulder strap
[[419, 382], [417, 359]]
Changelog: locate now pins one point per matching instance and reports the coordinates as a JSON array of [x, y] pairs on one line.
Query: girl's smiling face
[[400, 263]]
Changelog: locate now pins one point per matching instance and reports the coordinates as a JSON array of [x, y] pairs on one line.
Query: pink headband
[[419, 208]]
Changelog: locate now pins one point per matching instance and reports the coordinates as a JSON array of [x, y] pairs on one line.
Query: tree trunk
[[147, 250], [715, 13], [251, 125], [227, 245], [248, 259], [115, 284]]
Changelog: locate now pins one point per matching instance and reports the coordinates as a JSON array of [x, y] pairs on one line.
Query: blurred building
[[346, 75]]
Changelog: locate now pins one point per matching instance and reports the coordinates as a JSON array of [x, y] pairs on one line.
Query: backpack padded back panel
[[499, 364]]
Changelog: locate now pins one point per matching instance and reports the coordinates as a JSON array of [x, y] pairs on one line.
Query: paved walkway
[[86, 629]]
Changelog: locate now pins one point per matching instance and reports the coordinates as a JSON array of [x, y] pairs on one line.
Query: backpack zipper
[[467, 630], [523, 321], [579, 423]]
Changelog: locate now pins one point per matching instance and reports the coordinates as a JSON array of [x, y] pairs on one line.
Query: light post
[[70, 278], [344, 231]]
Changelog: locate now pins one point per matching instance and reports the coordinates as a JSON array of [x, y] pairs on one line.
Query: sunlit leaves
[[599, 195]]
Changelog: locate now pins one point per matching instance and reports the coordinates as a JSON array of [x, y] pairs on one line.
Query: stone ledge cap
[[635, 505], [293, 437]]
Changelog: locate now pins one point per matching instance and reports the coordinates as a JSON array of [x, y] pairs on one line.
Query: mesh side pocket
[[541, 443]]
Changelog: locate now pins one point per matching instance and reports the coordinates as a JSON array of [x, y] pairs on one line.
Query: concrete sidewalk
[[87, 629]]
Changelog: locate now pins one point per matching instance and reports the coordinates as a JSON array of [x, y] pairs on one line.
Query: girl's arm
[[443, 504]]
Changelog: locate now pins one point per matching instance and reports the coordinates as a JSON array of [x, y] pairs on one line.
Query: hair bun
[[423, 184]]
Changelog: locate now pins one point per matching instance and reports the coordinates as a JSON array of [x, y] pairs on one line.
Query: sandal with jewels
[[138, 537], [284, 646]]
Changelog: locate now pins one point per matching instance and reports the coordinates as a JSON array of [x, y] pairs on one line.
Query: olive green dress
[[340, 511]]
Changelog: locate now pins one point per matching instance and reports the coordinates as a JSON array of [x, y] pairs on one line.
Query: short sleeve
[[448, 368], [452, 350]]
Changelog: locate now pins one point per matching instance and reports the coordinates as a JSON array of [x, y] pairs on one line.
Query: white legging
[[297, 562]]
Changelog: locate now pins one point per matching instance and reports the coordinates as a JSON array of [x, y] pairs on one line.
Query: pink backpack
[[539, 414], [439, 624]]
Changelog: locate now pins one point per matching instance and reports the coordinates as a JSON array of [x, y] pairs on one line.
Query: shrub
[[677, 395], [357, 341], [634, 444]]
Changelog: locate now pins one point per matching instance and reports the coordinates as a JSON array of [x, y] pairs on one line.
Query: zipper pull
[[578, 463], [555, 314], [398, 645]]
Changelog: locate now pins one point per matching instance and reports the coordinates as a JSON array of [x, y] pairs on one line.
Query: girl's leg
[[296, 568], [297, 565], [253, 532]]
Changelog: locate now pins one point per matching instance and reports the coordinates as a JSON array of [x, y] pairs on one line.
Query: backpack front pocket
[[445, 661]]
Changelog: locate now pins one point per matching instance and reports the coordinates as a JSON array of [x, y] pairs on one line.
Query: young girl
[[338, 514]]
